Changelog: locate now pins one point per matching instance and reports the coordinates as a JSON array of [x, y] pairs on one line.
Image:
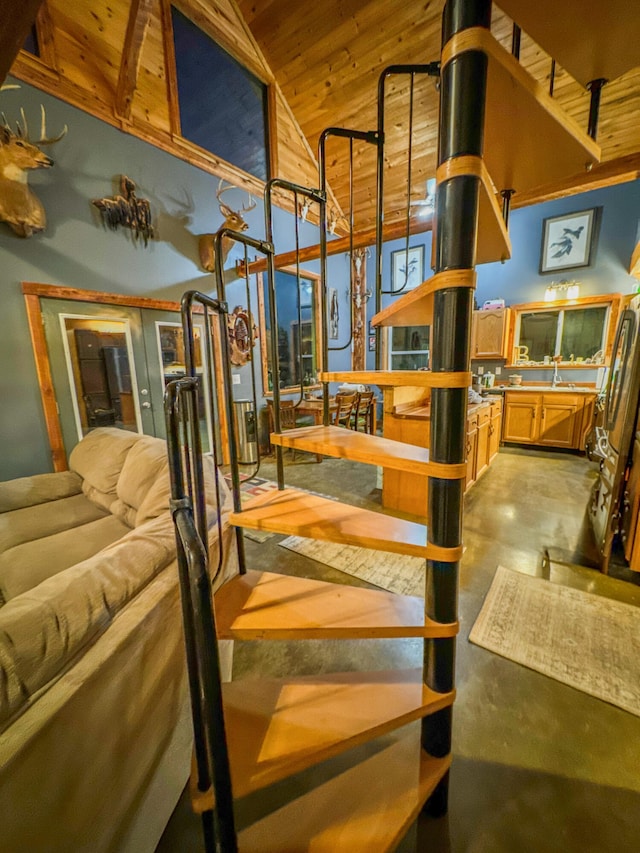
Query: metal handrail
[[319, 197], [203, 663]]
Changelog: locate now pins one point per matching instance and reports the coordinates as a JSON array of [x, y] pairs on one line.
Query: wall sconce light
[[562, 290]]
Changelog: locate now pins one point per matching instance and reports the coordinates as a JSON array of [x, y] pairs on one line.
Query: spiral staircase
[[381, 741]]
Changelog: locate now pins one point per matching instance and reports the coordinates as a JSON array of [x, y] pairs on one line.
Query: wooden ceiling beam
[[139, 18], [17, 19], [361, 239], [606, 174]]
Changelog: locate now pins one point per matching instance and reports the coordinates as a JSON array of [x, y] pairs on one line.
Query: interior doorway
[[107, 363]]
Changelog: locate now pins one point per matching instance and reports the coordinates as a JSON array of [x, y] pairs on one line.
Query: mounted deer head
[[19, 206], [232, 219]]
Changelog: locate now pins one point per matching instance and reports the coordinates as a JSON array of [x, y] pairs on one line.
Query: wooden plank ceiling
[[322, 61]]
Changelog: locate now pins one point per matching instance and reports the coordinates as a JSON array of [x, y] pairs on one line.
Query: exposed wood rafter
[[17, 19], [139, 18]]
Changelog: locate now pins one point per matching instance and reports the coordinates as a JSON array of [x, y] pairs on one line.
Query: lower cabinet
[[553, 419], [407, 492]]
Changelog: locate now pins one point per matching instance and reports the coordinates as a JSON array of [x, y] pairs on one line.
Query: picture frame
[[407, 268], [569, 241], [334, 314], [372, 343]]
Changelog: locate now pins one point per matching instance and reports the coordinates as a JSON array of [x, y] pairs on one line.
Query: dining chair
[[363, 412], [344, 410]]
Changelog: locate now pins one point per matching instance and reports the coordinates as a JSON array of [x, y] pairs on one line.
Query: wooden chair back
[[363, 411], [342, 415]]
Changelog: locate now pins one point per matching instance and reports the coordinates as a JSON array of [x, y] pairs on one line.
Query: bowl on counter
[[515, 379]]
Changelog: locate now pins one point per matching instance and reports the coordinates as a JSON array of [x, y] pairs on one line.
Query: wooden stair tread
[[398, 378], [528, 139], [279, 727], [371, 449], [414, 308], [266, 605], [367, 808], [588, 38], [297, 513]]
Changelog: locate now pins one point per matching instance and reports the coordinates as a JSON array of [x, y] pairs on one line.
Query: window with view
[[223, 106], [575, 334]]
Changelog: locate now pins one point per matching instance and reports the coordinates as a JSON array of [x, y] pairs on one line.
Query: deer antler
[[222, 189], [44, 140]]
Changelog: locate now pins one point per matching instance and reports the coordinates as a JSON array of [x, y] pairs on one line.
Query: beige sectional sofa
[[94, 714]]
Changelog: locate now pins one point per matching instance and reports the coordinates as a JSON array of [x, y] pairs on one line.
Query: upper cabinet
[[489, 333]]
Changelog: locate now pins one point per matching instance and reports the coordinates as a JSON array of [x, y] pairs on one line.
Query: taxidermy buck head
[[19, 206], [232, 219]]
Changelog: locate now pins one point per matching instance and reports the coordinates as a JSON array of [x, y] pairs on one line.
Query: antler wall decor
[[20, 207], [232, 219], [127, 210]]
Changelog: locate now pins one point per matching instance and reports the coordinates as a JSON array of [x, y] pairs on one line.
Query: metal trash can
[[246, 431]]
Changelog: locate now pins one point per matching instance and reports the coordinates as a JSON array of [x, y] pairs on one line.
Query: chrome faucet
[[556, 376]]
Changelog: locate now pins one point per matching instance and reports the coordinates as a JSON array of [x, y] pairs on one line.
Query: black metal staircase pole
[[462, 98]]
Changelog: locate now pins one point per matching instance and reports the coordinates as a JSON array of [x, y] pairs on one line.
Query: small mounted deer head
[[232, 219], [20, 208]]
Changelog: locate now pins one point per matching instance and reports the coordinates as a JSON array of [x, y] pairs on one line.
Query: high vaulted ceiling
[[322, 61]]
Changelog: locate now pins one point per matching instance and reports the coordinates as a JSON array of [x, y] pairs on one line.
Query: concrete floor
[[538, 766]]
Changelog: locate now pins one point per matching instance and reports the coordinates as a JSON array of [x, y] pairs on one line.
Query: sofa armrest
[[38, 489]]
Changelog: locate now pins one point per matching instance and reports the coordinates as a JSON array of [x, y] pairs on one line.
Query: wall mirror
[[299, 333], [579, 331]]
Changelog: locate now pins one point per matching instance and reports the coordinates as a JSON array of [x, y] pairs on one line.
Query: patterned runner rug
[[394, 572], [583, 640]]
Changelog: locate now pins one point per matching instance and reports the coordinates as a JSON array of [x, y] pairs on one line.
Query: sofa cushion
[[145, 465], [40, 488], [28, 564], [43, 630], [35, 522], [99, 458]]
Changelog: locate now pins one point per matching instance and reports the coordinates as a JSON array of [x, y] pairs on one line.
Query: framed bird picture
[[407, 268], [569, 241]]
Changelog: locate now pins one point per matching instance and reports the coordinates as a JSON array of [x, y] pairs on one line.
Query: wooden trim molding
[[45, 381], [44, 30]]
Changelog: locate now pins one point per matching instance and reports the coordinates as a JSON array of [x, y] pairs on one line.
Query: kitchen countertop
[[546, 389]]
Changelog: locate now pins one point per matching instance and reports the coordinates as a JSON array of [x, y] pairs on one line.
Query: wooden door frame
[[33, 292]]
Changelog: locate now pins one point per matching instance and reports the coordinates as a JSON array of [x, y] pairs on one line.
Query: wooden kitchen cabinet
[[489, 333], [552, 419], [472, 449], [495, 428], [521, 417], [559, 420], [482, 441]]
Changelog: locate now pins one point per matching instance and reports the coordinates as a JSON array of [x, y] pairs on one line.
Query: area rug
[[394, 572], [583, 640], [251, 487]]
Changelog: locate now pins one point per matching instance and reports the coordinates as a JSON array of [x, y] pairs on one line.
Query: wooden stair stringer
[[269, 606], [296, 513], [368, 807], [370, 449], [277, 727]]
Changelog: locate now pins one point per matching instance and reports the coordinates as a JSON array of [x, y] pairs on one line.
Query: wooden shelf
[[528, 138], [493, 242], [295, 513], [588, 38], [399, 378], [278, 727], [265, 605], [370, 449], [367, 808]]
